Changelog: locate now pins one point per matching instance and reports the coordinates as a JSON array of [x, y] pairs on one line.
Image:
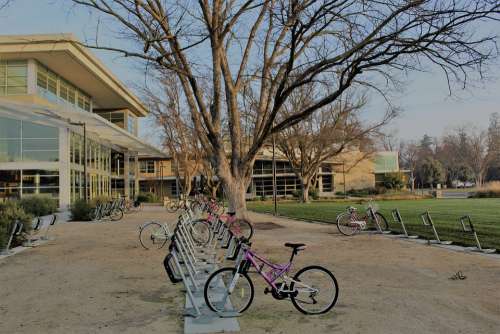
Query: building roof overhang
[[95, 124], [68, 57]]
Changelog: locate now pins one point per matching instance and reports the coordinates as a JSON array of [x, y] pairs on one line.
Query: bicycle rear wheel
[[217, 295], [345, 225], [153, 236], [315, 290]]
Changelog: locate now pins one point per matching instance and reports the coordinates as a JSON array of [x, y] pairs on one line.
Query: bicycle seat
[[295, 246]]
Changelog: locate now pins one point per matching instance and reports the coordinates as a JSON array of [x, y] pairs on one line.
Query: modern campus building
[[68, 126]]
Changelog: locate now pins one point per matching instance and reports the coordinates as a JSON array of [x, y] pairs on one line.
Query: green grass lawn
[[485, 214]]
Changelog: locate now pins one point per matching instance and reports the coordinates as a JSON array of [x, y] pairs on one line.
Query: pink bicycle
[[312, 290]]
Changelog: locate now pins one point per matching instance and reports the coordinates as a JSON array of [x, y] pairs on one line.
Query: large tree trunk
[[305, 191], [235, 190]]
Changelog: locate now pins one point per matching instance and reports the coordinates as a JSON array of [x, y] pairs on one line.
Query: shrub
[[39, 205], [80, 210], [263, 198], [147, 198], [489, 190], [314, 193], [393, 181], [10, 212]]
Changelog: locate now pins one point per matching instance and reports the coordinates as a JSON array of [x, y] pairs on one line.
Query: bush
[[263, 198], [10, 212], [147, 198], [314, 193], [489, 190], [80, 210], [393, 181], [39, 205]]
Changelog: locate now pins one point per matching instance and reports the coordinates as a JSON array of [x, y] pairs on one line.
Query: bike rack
[[375, 219], [52, 223], [199, 319], [17, 228], [427, 221], [396, 216], [469, 228]]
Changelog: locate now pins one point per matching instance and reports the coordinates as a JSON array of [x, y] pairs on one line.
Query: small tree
[[432, 172], [179, 136], [323, 136]]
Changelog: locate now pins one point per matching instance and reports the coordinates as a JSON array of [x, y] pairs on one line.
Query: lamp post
[[274, 177], [85, 178], [343, 175]]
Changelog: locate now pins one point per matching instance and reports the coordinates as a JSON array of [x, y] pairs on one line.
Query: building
[[68, 126], [350, 170]]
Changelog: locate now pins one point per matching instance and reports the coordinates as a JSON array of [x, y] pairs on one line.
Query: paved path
[[95, 278]]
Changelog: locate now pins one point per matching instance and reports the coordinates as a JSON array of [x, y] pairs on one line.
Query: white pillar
[[126, 174], [64, 169], [136, 173]]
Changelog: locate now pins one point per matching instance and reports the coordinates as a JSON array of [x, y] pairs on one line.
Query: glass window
[[40, 155], [32, 130], [10, 128], [10, 150], [13, 77]]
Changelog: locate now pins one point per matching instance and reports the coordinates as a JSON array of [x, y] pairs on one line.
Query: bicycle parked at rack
[[351, 222], [312, 290], [110, 210]]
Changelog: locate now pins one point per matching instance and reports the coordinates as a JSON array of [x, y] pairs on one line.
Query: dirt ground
[[96, 278]]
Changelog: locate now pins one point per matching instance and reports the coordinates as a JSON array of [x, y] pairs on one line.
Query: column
[[136, 174], [126, 174], [64, 169]]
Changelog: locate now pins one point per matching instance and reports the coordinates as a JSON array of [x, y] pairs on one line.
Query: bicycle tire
[[172, 207], [116, 214], [341, 224], [213, 281], [242, 227], [201, 232], [143, 235], [295, 300]]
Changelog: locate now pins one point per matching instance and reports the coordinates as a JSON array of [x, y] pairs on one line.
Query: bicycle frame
[[277, 270]]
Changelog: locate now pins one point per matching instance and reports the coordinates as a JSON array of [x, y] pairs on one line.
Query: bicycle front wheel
[[315, 290], [201, 232], [218, 297], [345, 225], [242, 227], [382, 222], [153, 236]]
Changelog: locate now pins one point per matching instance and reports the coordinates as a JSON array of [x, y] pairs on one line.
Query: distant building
[[351, 169]]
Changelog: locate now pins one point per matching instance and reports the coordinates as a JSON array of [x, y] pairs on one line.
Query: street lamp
[[274, 178], [85, 178]]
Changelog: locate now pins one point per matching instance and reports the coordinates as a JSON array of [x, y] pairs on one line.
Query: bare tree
[[257, 53], [332, 130], [179, 136], [409, 154], [478, 156]]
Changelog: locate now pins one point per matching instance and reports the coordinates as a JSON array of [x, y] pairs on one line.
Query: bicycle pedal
[[266, 291]]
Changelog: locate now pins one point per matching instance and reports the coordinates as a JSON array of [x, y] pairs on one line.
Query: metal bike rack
[[198, 318], [52, 223], [374, 217], [427, 221], [396, 216], [468, 227], [17, 228]]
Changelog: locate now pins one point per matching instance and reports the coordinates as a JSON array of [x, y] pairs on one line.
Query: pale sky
[[426, 104]]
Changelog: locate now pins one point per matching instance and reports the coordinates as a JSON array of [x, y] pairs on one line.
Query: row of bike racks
[[465, 222], [191, 264], [38, 224]]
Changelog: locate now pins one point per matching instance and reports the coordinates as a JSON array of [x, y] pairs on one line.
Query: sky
[[426, 105]]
